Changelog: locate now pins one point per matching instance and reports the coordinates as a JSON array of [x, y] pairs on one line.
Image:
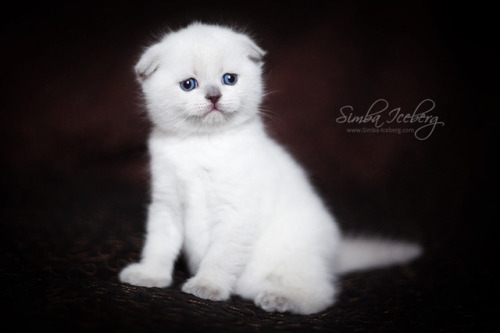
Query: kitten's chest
[[214, 169], [223, 169]]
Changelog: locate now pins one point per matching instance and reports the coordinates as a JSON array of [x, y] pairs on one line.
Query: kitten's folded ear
[[148, 63], [256, 53]]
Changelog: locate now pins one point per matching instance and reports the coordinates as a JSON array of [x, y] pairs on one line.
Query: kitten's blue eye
[[229, 79], [189, 84]]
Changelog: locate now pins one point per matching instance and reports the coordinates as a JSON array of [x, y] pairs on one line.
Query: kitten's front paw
[[143, 275], [206, 289]]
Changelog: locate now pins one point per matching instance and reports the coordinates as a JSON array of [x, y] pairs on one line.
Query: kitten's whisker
[[270, 92], [269, 114]]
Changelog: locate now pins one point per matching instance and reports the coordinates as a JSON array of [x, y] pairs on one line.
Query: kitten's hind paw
[[273, 303], [206, 289], [139, 274]]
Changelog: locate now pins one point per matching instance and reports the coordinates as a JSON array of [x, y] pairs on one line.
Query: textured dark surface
[[74, 164]]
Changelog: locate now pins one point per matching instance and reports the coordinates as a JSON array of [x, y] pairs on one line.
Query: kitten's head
[[201, 79]]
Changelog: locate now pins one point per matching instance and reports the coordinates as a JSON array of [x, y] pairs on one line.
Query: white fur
[[230, 197]]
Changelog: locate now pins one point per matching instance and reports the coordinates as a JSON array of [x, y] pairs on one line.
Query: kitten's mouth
[[212, 115], [214, 109]]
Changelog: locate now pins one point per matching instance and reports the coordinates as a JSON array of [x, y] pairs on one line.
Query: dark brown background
[[74, 162]]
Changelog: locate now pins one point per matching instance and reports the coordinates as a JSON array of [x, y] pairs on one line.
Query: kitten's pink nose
[[213, 94]]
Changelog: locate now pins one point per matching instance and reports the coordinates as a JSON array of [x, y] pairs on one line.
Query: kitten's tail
[[357, 253]]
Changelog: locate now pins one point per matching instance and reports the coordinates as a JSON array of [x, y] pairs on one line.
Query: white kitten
[[236, 202]]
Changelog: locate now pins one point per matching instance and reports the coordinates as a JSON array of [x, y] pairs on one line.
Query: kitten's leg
[[300, 296], [293, 282], [292, 267], [226, 257], [163, 244]]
